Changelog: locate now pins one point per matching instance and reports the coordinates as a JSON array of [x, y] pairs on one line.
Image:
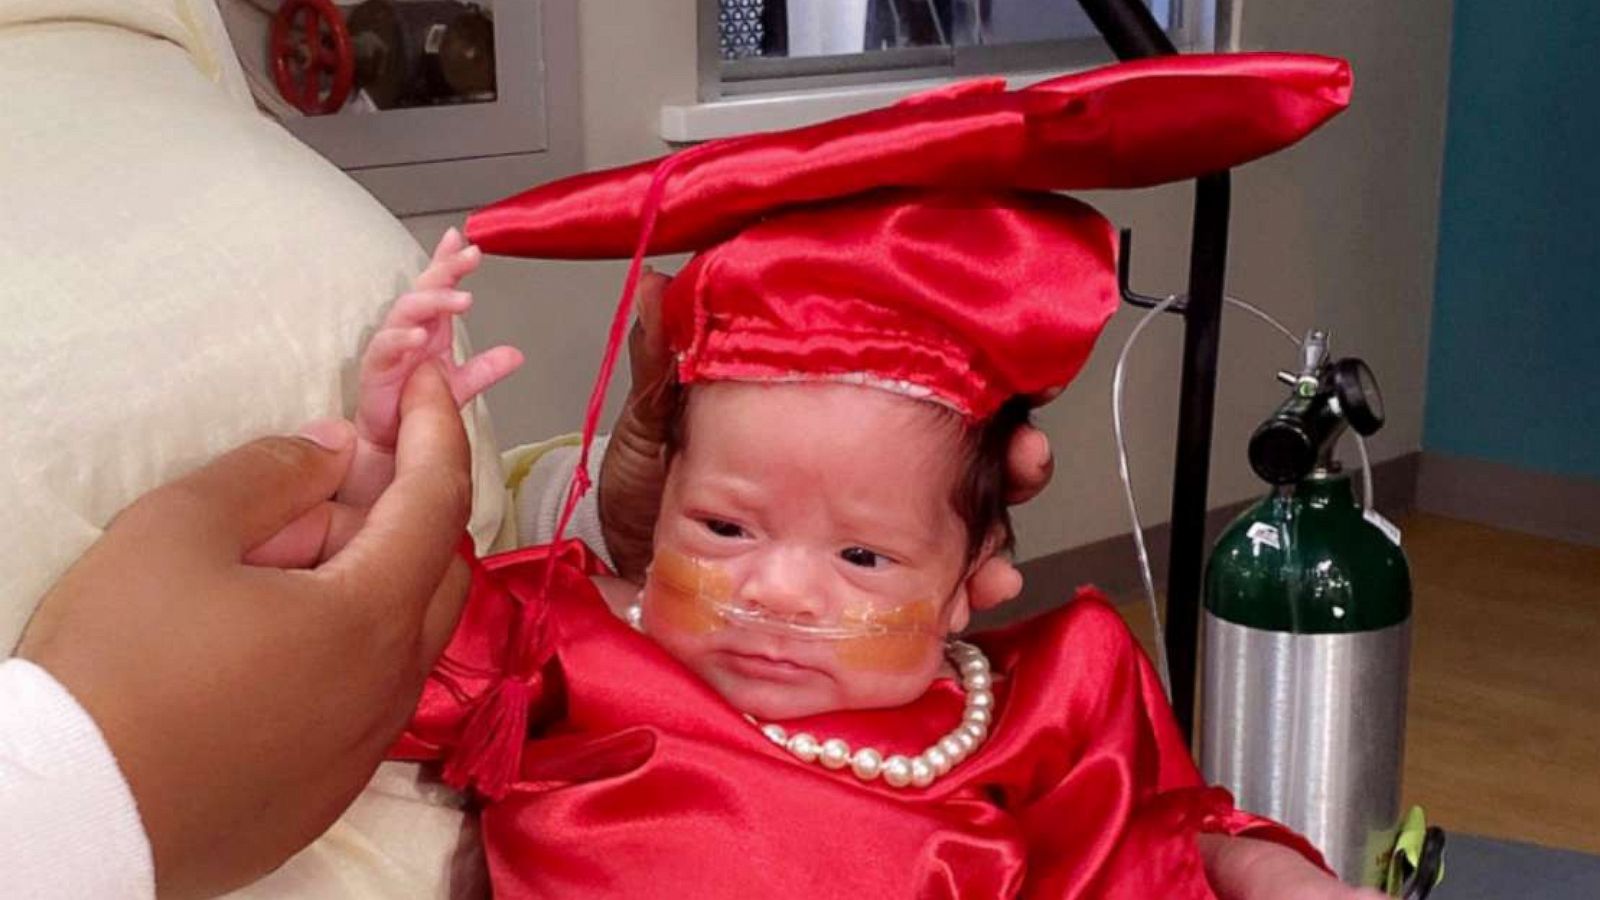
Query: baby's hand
[[419, 328]]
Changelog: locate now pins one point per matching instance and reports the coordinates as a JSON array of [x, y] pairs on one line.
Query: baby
[[780, 707]]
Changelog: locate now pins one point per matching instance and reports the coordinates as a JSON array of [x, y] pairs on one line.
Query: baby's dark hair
[[978, 495]]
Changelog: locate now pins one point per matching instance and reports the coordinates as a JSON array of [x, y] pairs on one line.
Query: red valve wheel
[[312, 62]]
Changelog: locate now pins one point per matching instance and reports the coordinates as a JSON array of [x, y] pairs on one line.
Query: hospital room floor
[[1503, 725]]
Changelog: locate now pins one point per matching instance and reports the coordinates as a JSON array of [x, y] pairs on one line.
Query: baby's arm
[[1241, 868], [417, 330]]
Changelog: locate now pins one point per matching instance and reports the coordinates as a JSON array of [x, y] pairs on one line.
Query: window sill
[[694, 122]]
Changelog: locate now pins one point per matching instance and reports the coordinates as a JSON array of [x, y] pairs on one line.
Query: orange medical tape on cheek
[[695, 597], [685, 593], [901, 639]]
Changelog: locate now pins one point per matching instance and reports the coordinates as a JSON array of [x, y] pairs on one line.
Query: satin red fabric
[[1129, 125], [920, 247], [916, 245], [637, 780], [971, 297]]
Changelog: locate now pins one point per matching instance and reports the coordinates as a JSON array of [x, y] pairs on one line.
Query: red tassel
[[489, 753]]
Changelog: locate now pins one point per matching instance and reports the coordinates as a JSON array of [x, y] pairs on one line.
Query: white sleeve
[[68, 823], [543, 491]]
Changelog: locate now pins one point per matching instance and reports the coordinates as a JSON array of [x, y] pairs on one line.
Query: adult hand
[[1029, 466], [1240, 868], [632, 473], [247, 706]]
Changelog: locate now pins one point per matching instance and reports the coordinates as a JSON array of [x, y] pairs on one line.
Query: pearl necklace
[[897, 771]]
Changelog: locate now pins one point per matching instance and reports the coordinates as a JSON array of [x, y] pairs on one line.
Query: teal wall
[[1516, 319]]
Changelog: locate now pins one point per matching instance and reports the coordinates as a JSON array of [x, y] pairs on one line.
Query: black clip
[[1419, 882], [1129, 295]]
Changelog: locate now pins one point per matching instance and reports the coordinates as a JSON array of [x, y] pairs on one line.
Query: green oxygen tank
[[1307, 633]]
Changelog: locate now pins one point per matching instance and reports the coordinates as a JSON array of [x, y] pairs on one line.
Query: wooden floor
[[1503, 731]]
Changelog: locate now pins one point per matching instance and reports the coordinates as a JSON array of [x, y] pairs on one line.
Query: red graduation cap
[[920, 247]]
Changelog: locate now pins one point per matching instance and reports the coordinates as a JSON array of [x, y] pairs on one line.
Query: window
[[430, 104], [751, 47]]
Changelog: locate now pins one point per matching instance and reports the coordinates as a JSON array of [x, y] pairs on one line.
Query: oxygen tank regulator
[[1300, 436]]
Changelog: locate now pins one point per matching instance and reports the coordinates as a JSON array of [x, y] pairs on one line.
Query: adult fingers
[[412, 531], [1029, 464], [995, 581], [444, 609], [304, 543], [298, 545], [632, 472], [649, 358], [1040, 398], [653, 395], [247, 495]]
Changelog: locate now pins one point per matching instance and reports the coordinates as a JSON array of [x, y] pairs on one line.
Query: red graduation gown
[[633, 778]]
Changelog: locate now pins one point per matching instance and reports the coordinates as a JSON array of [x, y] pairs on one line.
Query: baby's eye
[[723, 528], [861, 556]]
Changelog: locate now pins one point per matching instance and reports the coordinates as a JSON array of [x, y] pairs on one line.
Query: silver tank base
[[1310, 730]]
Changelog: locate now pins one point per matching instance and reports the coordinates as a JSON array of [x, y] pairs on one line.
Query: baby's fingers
[[425, 307], [449, 245], [389, 350], [453, 260], [390, 359], [482, 372]]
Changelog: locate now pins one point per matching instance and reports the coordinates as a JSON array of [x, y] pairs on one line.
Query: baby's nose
[[785, 583]]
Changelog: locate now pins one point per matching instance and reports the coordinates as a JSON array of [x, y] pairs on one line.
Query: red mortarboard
[[917, 247]]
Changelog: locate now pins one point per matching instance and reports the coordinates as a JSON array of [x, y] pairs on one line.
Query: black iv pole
[[1132, 32]]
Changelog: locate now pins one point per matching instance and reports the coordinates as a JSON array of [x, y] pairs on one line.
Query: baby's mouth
[[768, 666]]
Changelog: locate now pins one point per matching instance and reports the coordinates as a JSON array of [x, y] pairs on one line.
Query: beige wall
[[634, 57], [1337, 233]]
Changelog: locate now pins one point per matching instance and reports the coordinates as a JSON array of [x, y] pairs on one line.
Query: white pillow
[[177, 275]]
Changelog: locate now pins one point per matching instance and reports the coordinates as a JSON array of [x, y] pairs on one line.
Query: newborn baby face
[[827, 506]]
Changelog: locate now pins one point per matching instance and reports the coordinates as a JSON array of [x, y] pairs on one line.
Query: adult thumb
[[247, 495]]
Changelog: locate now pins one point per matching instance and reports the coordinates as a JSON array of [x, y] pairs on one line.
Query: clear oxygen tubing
[[1127, 490], [1127, 478]]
